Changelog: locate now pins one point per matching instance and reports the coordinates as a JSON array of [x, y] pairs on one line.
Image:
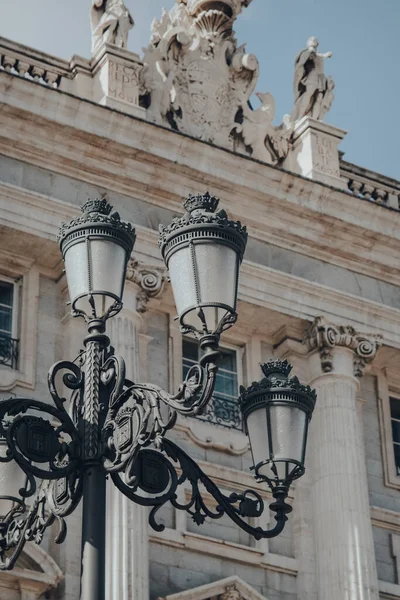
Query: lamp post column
[[127, 549], [94, 479], [345, 560]]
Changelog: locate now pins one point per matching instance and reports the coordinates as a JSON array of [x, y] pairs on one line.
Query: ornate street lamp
[[112, 426]]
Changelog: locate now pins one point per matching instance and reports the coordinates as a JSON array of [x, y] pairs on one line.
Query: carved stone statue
[[313, 91], [111, 22], [231, 594]]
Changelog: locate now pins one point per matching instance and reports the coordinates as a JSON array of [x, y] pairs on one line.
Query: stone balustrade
[[32, 64], [370, 185]]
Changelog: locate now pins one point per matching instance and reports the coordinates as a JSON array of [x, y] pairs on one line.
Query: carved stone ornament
[[198, 81], [324, 336], [150, 279]]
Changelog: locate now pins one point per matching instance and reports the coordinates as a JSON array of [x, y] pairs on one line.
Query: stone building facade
[[319, 285]]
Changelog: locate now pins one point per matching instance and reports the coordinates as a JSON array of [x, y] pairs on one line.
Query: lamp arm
[[168, 477], [136, 418]]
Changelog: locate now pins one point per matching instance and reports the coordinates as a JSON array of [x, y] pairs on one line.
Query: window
[[395, 419], [223, 408], [8, 324]]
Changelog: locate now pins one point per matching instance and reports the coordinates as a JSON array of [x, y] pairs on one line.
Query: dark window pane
[[226, 384], [397, 457], [190, 349], [5, 320], [395, 408], [396, 431], [6, 293], [228, 360]]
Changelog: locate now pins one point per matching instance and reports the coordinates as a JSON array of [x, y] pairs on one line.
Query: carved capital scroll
[[325, 336], [150, 279]]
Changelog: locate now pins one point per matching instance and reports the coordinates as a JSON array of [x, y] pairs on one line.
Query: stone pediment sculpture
[[111, 22], [313, 91], [198, 81], [231, 588]]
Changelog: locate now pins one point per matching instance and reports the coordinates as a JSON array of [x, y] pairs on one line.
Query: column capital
[[325, 337], [149, 279]]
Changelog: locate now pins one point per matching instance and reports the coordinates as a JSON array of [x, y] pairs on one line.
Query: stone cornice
[[324, 337], [363, 230], [259, 285]]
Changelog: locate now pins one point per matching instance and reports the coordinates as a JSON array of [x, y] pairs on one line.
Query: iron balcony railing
[[222, 411], [9, 351]]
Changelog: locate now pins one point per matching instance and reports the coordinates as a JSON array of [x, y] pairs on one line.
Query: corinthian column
[[127, 545], [345, 560]]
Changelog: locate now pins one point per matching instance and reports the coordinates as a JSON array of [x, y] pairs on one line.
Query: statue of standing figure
[[111, 22], [313, 91]]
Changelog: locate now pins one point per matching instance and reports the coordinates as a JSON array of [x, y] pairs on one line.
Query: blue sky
[[364, 36]]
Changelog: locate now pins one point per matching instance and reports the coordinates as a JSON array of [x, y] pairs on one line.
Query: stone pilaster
[[127, 573], [288, 346], [345, 560]]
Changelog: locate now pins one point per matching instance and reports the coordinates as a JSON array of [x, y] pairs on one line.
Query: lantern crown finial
[[276, 367], [204, 202], [97, 205]]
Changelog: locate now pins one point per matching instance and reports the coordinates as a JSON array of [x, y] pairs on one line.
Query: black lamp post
[[112, 426]]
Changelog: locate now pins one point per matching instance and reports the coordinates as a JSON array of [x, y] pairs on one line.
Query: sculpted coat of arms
[[199, 81]]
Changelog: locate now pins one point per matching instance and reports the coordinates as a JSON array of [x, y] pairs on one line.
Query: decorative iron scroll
[[153, 480]]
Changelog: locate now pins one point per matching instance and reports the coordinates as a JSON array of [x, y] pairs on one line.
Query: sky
[[362, 34]]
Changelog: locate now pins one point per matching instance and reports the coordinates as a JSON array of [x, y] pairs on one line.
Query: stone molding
[[214, 442], [324, 337], [150, 279], [266, 286]]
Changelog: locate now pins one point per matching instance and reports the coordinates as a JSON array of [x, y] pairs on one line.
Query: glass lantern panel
[[288, 425], [76, 269], [108, 261], [181, 272], [258, 435], [217, 267]]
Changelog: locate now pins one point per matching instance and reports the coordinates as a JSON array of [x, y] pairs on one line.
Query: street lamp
[[113, 426]]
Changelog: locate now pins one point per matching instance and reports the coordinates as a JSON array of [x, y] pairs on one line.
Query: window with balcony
[[223, 408], [8, 324]]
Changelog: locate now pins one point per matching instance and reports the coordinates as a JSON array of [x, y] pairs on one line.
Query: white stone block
[[116, 74], [314, 153]]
